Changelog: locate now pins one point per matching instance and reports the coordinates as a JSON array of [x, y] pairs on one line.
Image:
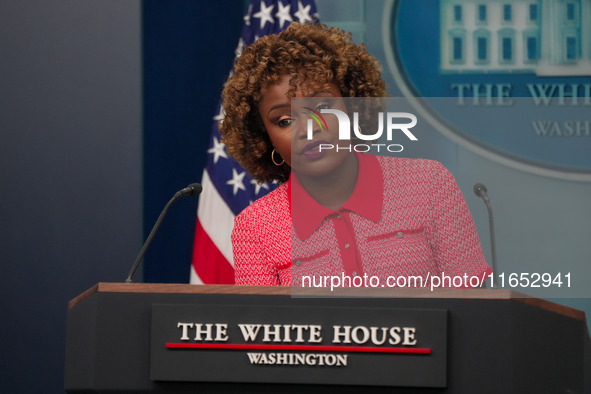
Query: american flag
[[227, 187]]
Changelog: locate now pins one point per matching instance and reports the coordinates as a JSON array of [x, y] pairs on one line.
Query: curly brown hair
[[315, 53]]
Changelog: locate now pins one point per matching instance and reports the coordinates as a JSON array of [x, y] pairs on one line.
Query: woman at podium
[[339, 211]]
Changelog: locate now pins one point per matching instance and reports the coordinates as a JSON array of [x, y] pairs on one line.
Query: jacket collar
[[366, 200]]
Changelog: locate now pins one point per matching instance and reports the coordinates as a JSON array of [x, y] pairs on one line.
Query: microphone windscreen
[[480, 189], [196, 189]]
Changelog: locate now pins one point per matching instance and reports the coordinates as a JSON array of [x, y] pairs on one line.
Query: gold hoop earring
[[273, 159]]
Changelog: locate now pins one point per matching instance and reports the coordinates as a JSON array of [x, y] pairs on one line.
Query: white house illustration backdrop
[[545, 37]]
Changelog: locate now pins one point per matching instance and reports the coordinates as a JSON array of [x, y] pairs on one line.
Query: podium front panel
[[493, 342]]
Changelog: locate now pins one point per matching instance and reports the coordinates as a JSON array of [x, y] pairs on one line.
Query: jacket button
[[298, 263], [399, 234]]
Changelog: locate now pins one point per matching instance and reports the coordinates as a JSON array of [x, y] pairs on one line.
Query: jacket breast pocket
[[313, 267], [404, 251]]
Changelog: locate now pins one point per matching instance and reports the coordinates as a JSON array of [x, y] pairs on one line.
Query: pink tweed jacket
[[424, 228]]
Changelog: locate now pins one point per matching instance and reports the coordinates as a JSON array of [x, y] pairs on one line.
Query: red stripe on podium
[[364, 349]]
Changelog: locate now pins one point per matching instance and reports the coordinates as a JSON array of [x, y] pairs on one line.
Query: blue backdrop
[[188, 50]]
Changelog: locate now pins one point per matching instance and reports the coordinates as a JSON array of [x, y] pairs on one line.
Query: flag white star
[[218, 150], [220, 114], [237, 181], [259, 186], [265, 14], [247, 16], [240, 47], [283, 14], [303, 13]]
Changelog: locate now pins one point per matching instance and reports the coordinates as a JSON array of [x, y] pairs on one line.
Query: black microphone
[[481, 191], [192, 190]]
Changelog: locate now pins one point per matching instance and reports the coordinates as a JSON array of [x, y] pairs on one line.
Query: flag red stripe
[[209, 263]]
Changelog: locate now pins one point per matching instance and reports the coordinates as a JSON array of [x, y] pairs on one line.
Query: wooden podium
[[136, 338]]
